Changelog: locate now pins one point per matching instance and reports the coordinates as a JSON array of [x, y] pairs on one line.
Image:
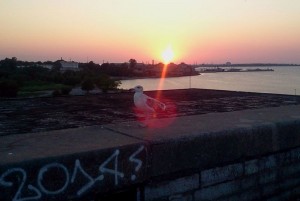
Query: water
[[283, 80]]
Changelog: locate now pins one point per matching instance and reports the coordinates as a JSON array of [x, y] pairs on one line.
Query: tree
[[9, 65], [105, 83], [57, 64], [71, 78], [132, 63], [87, 85], [35, 72]]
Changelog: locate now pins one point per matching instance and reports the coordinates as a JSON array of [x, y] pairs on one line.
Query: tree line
[[15, 75]]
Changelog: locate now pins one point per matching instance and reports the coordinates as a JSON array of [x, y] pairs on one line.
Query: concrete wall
[[244, 155]]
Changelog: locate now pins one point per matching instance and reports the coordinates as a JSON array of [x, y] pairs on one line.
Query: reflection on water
[[283, 80]]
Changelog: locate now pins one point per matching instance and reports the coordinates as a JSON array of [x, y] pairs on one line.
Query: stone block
[[181, 197], [251, 167], [292, 170], [217, 191], [295, 155], [268, 177], [270, 189], [253, 194], [290, 183], [296, 192], [168, 188], [288, 157], [221, 174], [268, 162], [249, 182]]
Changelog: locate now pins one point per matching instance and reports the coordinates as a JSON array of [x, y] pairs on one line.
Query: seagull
[[146, 104]]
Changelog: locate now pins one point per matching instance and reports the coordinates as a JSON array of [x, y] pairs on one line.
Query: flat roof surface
[[32, 115]]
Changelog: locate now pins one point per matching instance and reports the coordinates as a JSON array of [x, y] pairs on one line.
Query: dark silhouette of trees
[[105, 83], [71, 78], [87, 85], [9, 64], [132, 63], [8, 67], [35, 73], [15, 75]]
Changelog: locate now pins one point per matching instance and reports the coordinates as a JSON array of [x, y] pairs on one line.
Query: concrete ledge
[[68, 164], [17, 148], [73, 163], [215, 139]]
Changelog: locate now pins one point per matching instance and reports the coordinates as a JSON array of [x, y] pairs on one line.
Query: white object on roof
[[145, 103]]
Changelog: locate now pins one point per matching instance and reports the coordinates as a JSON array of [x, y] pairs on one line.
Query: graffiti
[[45, 169], [91, 180], [137, 161], [114, 171], [17, 196], [110, 166]]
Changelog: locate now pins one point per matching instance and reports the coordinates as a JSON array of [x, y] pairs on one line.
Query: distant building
[[69, 65], [48, 66], [181, 69], [139, 68], [156, 70]]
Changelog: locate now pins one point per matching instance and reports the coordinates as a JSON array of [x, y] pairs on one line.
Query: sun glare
[[168, 55]]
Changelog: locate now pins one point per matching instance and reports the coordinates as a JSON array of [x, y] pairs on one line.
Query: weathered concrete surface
[[19, 148], [69, 164], [208, 140], [161, 130], [74, 163]]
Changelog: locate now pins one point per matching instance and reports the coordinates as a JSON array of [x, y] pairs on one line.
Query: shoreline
[[150, 77], [233, 70]]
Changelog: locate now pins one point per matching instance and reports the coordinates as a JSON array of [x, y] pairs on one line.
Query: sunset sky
[[202, 31]]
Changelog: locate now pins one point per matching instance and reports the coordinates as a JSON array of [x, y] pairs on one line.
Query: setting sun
[[168, 55]]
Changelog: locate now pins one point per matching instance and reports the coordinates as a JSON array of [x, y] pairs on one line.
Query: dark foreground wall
[[244, 155]]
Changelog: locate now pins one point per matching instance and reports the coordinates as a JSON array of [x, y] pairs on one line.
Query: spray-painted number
[[109, 167]]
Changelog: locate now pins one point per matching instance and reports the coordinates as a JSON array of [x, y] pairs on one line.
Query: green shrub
[[105, 83], [87, 85], [33, 86]]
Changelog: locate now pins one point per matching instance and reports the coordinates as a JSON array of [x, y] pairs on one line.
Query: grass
[[26, 94], [40, 86]]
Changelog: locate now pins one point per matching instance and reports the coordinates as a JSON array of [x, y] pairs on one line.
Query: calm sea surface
[[283, 80]]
